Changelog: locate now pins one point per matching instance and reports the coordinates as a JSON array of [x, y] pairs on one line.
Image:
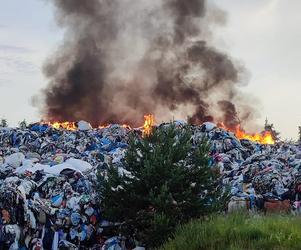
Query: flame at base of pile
[[62, 125], [263, 138]]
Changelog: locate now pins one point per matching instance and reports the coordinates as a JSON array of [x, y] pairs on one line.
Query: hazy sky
[[263, 34]]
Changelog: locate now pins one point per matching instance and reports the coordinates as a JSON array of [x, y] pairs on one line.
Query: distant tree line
[[22, 124]]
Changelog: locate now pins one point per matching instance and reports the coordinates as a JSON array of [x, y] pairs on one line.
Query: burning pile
[[175, 71], [62, 125], [49, 171], [264, 137], [120, 66]]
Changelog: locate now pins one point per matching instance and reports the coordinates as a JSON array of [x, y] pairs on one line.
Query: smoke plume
[[121, 59]]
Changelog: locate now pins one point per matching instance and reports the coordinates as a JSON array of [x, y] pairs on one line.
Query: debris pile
[[48, 179], [48, 185], [255, 172]]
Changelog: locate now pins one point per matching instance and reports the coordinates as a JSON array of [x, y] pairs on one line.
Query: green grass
[[238, 231]]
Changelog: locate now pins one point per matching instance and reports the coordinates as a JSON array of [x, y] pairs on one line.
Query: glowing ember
[[102, 126], [148, 125], [62, 125]]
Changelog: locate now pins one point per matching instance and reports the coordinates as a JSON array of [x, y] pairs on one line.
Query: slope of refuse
[[250, 168], [48, 180]]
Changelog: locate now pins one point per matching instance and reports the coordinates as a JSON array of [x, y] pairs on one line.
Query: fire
[[62, 125], [102, 126], [72, 125], [263, 138], [148, 124]]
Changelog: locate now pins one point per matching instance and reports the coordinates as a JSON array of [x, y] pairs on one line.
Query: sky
[[264, 35]]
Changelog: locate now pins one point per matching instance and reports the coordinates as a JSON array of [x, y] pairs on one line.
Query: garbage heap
[[252, 170], [48, 180]]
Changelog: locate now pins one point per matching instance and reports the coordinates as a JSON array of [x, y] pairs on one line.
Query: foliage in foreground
[[166, 182], [239, 231]]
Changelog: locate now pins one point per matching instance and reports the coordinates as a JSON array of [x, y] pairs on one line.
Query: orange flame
[[72, 125], [102, 126], [148, 125], [263, 138], [62, 125]]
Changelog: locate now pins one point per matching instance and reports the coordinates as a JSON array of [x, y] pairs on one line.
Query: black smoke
[[121, 59]]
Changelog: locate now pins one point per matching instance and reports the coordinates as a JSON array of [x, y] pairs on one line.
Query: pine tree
[[166, 181], [3, 123], [23, 124]]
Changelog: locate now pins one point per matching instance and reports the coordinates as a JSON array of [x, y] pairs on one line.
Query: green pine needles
[[166, 182]]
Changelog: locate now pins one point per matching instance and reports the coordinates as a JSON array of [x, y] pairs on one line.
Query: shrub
[[166, 181]]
